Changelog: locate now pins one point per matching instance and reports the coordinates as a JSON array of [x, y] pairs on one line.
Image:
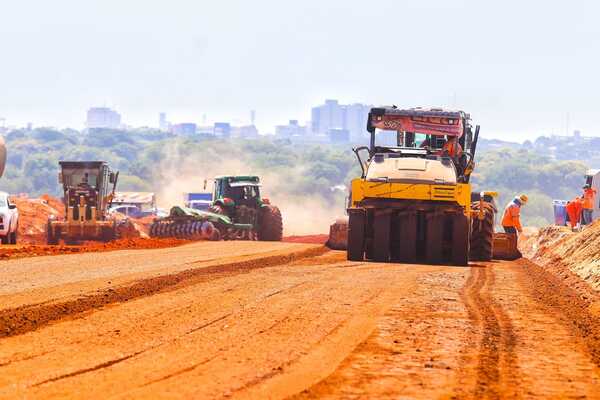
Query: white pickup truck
[[9, 220]]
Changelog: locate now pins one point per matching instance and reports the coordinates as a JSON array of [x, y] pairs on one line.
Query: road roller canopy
[[434, 121], [431, 133], [395, 168]]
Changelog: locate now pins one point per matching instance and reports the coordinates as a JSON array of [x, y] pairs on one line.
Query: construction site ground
[[290, 320]]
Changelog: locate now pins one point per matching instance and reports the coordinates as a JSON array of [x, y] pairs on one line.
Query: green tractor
[[237, 213], [238, 197]]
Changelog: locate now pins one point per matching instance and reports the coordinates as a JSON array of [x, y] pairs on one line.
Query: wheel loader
[[88, 188], [413, 202]]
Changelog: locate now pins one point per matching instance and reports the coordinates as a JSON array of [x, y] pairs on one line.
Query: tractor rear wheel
[[482, 233], [271, 224]]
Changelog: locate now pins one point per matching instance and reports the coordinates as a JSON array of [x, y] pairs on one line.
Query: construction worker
[[589, 197], [511, 221], [574, 208], [452, 148]]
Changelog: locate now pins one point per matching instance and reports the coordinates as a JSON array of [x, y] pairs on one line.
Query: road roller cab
[[413, 202]]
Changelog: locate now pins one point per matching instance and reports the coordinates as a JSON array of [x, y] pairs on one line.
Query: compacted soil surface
[[289, 320], [36, 250]]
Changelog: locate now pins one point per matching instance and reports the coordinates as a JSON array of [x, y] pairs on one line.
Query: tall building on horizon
[[163, 124], [222, 129], [103, 117], [184, 129], [292, 129], [348, 117]]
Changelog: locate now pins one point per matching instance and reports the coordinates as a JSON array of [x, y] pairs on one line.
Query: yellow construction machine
[[413, 201], [88, 187]]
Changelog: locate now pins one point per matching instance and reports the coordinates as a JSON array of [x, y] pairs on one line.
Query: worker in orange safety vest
[[511, 221], [589, 199], [452, 148], [574, 208]]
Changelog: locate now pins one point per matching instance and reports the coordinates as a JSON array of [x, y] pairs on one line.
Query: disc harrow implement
[[191, 224]]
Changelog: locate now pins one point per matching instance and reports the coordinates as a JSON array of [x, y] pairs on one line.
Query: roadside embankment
[[565, 253]]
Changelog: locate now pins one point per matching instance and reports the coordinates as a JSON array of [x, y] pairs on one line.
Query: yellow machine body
[[459, 193]]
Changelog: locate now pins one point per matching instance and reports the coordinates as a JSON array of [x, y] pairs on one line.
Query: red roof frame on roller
[[428, 121]]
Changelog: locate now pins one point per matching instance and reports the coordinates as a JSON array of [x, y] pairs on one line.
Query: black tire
[[434, 236], [52, 239], [407, 248], [271, 224], [153, 229], [482, 233], [109, 233], [356, 236], [381, 237], [460, 240]]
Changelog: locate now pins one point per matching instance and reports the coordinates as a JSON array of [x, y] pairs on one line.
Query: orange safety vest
[[512, 216], [453, 147], [588, 198], [574, 208]]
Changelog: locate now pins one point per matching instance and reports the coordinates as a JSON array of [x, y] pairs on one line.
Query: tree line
[[148, 160]]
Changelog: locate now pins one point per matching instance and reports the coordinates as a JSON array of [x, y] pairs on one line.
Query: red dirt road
[[36, 250], [280, 320], [310, 239]]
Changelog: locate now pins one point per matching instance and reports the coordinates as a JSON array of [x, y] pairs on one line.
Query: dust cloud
[[303, 214]]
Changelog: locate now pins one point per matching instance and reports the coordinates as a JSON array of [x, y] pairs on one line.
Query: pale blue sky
[[519, 67]]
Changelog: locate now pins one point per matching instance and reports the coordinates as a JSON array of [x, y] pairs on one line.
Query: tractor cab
[[232, 191]]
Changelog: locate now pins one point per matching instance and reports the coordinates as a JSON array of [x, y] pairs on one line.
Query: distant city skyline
[[340, 116], [519, 74], [103, 117]]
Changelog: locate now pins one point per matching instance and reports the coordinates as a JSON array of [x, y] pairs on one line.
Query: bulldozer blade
[[338, 235], [505, 247]]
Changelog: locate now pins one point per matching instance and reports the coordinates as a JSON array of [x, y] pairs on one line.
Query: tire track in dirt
[[497, 367], [280, 369], [90, 369], [242, 387], [20, 320], [31, 357], [413, 350], [118, 360], [179, 372]]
